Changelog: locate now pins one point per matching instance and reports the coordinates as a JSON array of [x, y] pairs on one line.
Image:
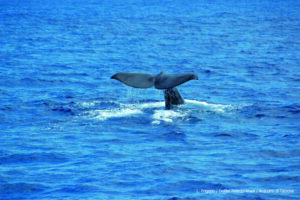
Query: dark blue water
[[68, 131]]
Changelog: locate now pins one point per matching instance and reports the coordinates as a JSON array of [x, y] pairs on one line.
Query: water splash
[[156, 110]]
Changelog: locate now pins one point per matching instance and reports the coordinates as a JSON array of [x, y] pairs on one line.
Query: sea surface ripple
[[70, 132]]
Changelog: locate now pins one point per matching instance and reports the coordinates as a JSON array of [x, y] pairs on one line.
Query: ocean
[[70, 132]]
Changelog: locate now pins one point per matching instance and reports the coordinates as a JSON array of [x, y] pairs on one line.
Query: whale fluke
[[167, 81], [162, 81], [136, 80]]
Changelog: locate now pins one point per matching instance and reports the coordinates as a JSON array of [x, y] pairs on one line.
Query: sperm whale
[[161, 81]]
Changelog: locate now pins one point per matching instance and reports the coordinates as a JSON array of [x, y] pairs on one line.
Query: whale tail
[[162, 81], [136, 80]]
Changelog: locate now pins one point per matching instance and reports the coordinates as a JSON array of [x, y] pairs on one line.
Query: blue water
[[70, 132]]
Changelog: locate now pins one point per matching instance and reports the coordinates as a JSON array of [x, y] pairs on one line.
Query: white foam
[[113, 113], [191, 107], [87, 104], [166, 116], [150, 105], [209, 106]]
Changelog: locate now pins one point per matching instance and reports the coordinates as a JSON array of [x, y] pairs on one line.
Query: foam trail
[[209, 106], [149, 105], [114, 113], [123, 110], [167, 116], [191, 107]]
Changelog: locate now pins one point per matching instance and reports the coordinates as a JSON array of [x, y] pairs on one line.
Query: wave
[[21, 187], [33, 158]]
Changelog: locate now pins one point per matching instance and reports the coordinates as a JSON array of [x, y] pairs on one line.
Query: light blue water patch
[[68, 131]]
